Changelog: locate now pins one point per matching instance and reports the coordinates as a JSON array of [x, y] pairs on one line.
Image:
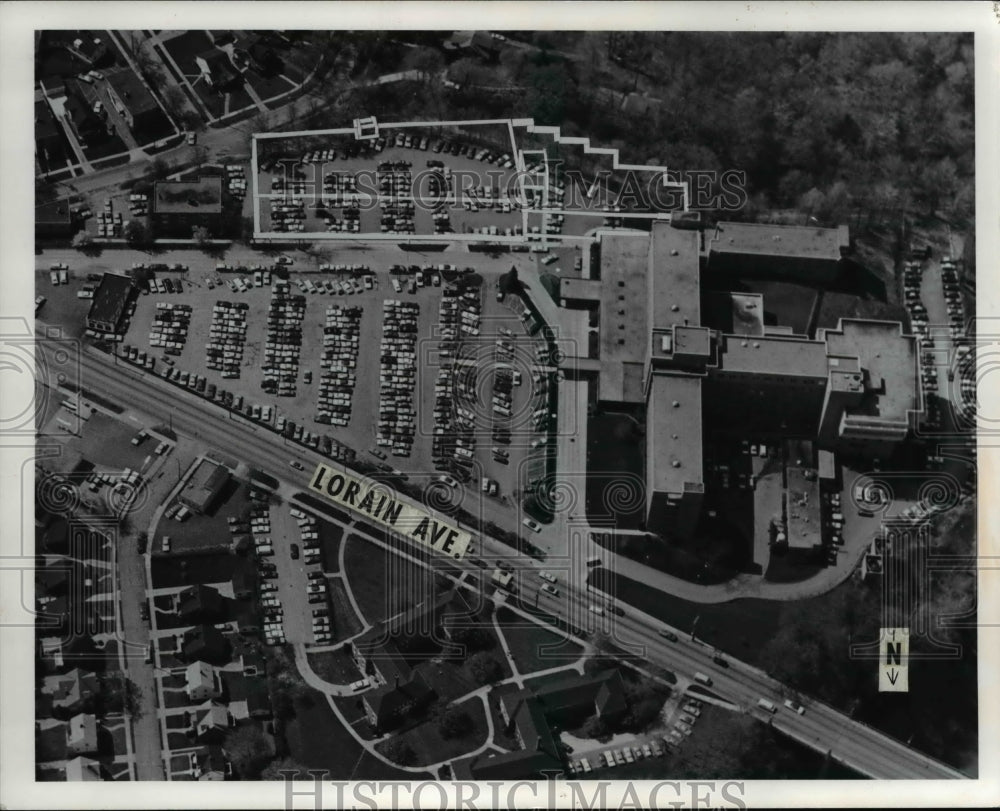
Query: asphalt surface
[[821, 727]]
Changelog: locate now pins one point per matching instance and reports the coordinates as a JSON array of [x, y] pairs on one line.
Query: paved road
[[865, 749]]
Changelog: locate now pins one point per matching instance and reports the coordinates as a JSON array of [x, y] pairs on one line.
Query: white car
[[546, 576], [531, 524], [548, 588], [794, 706], [444, 478]]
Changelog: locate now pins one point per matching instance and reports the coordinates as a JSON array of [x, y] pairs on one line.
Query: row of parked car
[[619, 757], [339, 360], [227, 337], [395, 198], [397, 376], [170, 325], [283, 343], [912, 273], [456, 388]]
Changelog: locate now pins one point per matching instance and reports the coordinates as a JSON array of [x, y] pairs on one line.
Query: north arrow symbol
[[893, 675]]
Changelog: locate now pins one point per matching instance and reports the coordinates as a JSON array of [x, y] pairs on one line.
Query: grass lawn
[[430, 746], [185, 570], [238, 99], [319, 741], [336, 667], [346, 622], [614, 491], [269, 87], [330, 537], [212, 100], [185, 48], [212, 529], [727, 745], [112, 145], [552, 678], [448, 680], [383, 583], [534, 647]]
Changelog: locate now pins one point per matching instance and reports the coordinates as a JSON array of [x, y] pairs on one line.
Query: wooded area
[[826, 125]]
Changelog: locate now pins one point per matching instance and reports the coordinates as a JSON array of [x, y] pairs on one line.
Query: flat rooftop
[[580, 289], [623, 322], [889, 360], [201, 196], [804, 242], [674, 434], [131, 90], [674, 284], [110, 299], [623, 297], [773, 355]]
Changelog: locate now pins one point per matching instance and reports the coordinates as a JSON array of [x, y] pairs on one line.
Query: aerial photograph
[[490, 405]]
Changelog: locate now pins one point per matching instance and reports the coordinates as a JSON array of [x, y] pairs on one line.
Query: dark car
[[144, 610], [295, 551], [720, 661], [668, 635]]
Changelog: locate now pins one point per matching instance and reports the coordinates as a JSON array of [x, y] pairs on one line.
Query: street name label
[[380, 503], [894, 661]]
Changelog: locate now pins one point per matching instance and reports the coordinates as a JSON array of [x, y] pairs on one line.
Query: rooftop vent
[[675, 463], [676, 404]]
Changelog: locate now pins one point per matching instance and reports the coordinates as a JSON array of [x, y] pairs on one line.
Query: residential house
[[217, 70], [200, 603], [212, 721], [210, 763], [531, 715], [201, 681], [72, 691], [128, 94], [244, 582], [248, 696], [81, 734], [205, 643], [83, 769]]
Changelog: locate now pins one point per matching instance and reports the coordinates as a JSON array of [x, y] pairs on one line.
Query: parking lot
[[404, 182], [292, 353]]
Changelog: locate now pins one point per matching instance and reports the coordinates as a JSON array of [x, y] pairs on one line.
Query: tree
[[120, 694], [454, 723], [399, 751], [249, 750], [485, 669], [82, 239], [200, 235], [158, 169], [137, 234], [594, 727], [278, 769]]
